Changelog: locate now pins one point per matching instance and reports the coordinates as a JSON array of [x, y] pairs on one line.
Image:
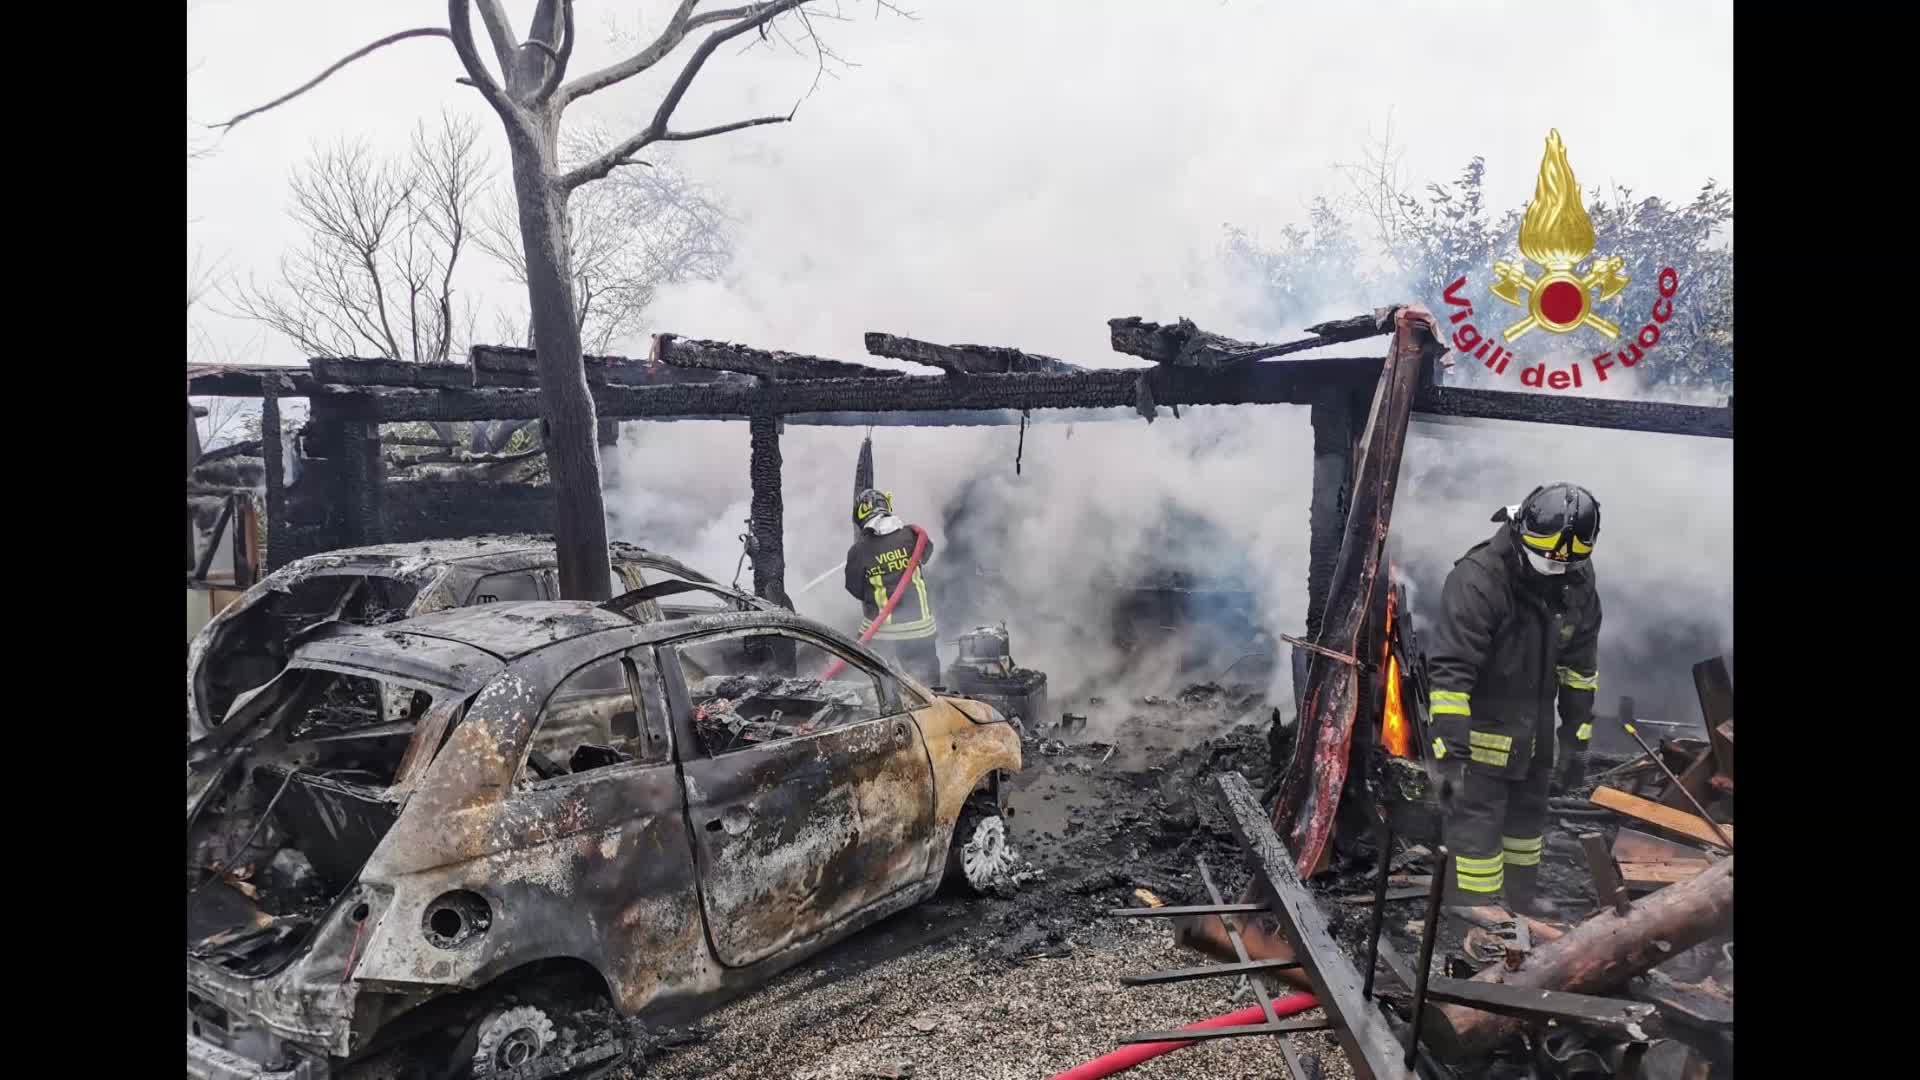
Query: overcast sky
[[1000, 171]]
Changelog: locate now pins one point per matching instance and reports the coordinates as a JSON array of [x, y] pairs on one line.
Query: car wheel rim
[[986, 858]]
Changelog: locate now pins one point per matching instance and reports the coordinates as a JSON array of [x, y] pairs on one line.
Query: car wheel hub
[[510, 1039], [986, 858]]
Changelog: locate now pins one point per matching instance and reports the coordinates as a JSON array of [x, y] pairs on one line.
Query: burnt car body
[[247, 642], [412, 826]]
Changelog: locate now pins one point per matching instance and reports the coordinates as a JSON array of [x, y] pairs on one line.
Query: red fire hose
[[1128, 1056], [900, 590]]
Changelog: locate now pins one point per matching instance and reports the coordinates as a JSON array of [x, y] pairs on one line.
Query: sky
[[1016, 173], [1001, 171]]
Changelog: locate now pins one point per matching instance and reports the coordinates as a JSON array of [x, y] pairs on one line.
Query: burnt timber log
[[1183, 344], [771, 366], [768, 514], [1653, 416], [497, 365], [1310, 789], [963, 359], [1599, 955], [1280, 383]]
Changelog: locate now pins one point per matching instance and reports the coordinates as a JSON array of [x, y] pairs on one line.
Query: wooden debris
[[1654, 875], [1632, 845], [1679, 821], [1715, 688], [771, 366], [1598, 956], [964, 359]]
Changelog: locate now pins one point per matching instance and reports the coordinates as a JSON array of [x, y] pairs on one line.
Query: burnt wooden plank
[[1362, 1032], [1715, 687], [503, 366], [1207, 971], [772, 366], [1692, 826], [1651, 416], [963, 359], [363, 371]]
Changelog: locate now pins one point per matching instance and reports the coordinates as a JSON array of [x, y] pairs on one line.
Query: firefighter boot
[[1522, 874]]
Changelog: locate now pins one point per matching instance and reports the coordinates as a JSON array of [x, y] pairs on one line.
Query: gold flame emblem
[[1557, 235]]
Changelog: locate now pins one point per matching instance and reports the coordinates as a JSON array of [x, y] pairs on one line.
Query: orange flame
[[1395, 734]]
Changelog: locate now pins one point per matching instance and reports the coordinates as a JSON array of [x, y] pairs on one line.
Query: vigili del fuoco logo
[[1556, 235]]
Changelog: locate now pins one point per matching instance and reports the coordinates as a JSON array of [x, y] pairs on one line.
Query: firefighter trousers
[[1495, 831], [918, 657]]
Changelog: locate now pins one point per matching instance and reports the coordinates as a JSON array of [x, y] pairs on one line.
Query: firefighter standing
[[1518, 632], [875, 564]]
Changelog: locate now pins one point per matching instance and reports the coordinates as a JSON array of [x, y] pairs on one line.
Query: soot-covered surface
[[1027, 984]]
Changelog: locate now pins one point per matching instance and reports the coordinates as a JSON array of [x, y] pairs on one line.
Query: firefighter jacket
[[1508, 643], [874, 567]]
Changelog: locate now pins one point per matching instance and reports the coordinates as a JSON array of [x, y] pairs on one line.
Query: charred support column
[[1339, 415], [769, 525], [353, 475], [273, 453]]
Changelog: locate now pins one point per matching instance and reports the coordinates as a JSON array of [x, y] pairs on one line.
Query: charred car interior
[[409, 825]]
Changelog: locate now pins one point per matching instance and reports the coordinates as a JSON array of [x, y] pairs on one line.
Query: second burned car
[[469, 825]]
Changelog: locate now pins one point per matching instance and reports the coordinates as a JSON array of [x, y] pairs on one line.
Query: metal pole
[[1701, 810], [1427, 940], [1379, 904]]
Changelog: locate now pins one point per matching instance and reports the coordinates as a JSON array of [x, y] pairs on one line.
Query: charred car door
[[584, 856], [809, 800]]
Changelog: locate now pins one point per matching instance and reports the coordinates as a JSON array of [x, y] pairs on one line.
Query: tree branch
[[423, 31], [501, 31], [721, 129], [672, 36], [559, 69], [461, 23], [656, 131]]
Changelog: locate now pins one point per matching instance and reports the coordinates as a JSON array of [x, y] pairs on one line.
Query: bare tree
[[384, 238], [630, 234], [530, 93]]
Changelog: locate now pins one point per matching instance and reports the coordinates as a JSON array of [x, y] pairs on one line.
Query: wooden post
[[1335, 434], [769, 525], [273, 456]]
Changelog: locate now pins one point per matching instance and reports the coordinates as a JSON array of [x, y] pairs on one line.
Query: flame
[[1394, 732], [1556, 233]]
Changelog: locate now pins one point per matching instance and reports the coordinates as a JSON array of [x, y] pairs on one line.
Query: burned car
[[460, 833], [245, 644]]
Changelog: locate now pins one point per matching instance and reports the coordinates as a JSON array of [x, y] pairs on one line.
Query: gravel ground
[[940, 1013]]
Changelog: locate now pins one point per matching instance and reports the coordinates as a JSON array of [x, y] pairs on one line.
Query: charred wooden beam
[[360, 371], [1599, 955], [500, 365], [237, 380], [1651, 416], [1292, 382], [1185, 345], [273, 452], [1310, 789], [771, 366], [768, 512], [964, 359], [1359, 1027]]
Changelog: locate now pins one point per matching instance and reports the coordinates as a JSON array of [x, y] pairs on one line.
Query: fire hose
[[900, 590], [1128, 1056]]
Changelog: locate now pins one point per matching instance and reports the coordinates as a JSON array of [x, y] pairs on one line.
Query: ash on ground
[[1026, 984]]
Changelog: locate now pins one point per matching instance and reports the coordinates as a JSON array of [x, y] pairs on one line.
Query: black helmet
[[869, 502], [1556, 525]]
